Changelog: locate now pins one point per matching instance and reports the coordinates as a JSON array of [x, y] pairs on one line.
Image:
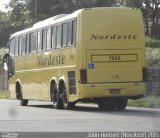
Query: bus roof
[[47, 22], [62, 17]]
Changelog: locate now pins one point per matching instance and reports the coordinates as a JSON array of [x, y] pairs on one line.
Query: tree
[[4, 30], [24, 13], [17, 16], [154, 18], [42, 9], [151, 15]]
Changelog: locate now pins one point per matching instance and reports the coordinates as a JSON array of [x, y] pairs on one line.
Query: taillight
[[83, 76]]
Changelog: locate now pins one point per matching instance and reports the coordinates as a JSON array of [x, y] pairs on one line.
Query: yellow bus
[[92, 55]]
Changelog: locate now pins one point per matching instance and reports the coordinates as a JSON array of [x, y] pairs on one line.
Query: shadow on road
[[41, 106], [139, 112]]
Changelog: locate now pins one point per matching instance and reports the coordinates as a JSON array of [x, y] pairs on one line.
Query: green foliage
[[26, 12], [152, 43], [148, 102], [4, 29], [4, 95], [152, 51], [18, 14], [153, 56]]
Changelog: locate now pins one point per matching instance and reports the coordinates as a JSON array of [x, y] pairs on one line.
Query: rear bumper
[[130, 90]]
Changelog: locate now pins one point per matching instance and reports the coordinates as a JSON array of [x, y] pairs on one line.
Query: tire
[[112, 103], [23, 102], [106, 104], [66, 104], [122, 103], [102, 105], [55, 97]]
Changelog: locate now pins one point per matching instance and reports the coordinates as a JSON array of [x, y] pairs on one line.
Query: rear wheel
[[106, 104], [55, 96], [23, 102], [122, 103], [112, 103], [66, 104]]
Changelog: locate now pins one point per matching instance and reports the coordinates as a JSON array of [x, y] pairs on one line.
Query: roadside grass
[[4, 95], [147, 102]]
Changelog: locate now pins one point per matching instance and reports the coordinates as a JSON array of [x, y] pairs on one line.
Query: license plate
[[115, 91]]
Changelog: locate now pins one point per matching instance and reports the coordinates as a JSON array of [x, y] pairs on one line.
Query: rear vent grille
[[72, 82]]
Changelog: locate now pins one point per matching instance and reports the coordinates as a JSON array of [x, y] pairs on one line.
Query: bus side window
[[23, 44], [16, 46], [39, 40], [36, 40], [69, 33], [74, 28], [49, 38], [33, 42], [59, 36], [44, 39], [27, 43], [20, 45], [12, 46], [64, 34], [54, 37]]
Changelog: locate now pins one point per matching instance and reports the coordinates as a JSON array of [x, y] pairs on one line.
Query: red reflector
[[83, 76]]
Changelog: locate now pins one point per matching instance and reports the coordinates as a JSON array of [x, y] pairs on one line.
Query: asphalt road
[[41, 117]]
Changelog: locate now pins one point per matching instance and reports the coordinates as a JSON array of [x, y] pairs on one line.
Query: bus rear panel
[[112, 45]]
